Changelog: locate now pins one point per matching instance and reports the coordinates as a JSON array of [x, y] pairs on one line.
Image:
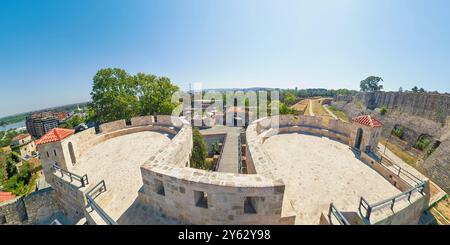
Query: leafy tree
[[18, 182], [155, 94], [283, 108], [422, 90], [398, 131], [114, 95], [199, 151], [415, 89], [6, 137], [289, 98], [371, 84], [73, 121], [383, 110], [119, 95], [215, 148], [3, 172], [422, 143]]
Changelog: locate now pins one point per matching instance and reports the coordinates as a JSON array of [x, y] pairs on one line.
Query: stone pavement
[[229, 162], [318, 171]]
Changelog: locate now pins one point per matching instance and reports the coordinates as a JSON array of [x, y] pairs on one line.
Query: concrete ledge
[[142, 121], [112, 126]]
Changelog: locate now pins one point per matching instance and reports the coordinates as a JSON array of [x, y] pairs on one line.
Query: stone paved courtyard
[[120, 159], [318, 171]]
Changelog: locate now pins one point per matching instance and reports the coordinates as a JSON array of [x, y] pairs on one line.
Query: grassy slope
[[411, 160]]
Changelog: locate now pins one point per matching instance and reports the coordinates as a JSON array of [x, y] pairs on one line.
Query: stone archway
[[358, 140]]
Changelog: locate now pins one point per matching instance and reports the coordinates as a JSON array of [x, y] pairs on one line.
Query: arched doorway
[[72, 154], [359, 135]]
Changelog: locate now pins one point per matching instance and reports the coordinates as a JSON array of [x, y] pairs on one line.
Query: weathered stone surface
[[36, 208]]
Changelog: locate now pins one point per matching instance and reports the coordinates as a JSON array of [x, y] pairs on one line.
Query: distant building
[[62, 116], [24, 145], [40, 123]]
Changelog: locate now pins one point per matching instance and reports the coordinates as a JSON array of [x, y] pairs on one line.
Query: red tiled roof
[[5, 196], [368, 121], [20, 136], [56, 134]]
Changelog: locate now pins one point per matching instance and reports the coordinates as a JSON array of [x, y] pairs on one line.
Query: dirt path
[[330, 112], [310, 106]]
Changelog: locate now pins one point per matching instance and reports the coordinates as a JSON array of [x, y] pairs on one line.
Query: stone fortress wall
[[195, 196], [224, 195], [405, 213], [192, 196], [71, 192], [419, 114], [432, 106], [36, 208]]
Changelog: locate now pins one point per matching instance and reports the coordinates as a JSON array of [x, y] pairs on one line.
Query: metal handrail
[[337, 214], [96, 191], [221, 153], [363, 203], [239, 153], [399, 169], [82, 179]]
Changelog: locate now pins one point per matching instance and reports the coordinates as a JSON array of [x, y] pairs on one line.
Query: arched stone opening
[[358, 139]]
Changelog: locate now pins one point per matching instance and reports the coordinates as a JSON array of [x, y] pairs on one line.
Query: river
[[7, 127]]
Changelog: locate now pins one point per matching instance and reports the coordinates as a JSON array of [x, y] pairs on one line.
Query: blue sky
[[50, 49]]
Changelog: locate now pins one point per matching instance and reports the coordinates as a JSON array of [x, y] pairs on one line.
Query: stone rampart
[[195, 196]]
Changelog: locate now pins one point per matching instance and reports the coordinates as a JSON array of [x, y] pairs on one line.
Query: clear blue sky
[[50, 50]]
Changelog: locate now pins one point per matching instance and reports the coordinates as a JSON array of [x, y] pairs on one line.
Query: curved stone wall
[[195, 196], [259, 161]]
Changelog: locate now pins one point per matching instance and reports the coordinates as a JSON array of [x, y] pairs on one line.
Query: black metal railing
[[334, 212], [399, 171], [370, 208], [72, 176], [90, 197], [216, 168]]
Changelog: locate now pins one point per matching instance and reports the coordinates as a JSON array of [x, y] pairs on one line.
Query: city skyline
[[51, 50]]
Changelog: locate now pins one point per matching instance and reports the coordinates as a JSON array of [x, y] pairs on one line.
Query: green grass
[[406, 157], [340, 114], [318, 109]]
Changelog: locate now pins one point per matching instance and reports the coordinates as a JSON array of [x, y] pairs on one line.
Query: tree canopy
[[119, 95], [415, 89], [199, 151], [289, 97], [371, 84], [73, 122]]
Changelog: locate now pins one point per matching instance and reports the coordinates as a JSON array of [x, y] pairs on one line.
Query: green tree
[[114, 95], [383, 110], [415, 89], [73, 121], [155, 94], [282, 107], [422, 143], [118, 95], [398, 131], [215, 148], [199, 151], [18, 181], [371, 84], [289, 98]]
